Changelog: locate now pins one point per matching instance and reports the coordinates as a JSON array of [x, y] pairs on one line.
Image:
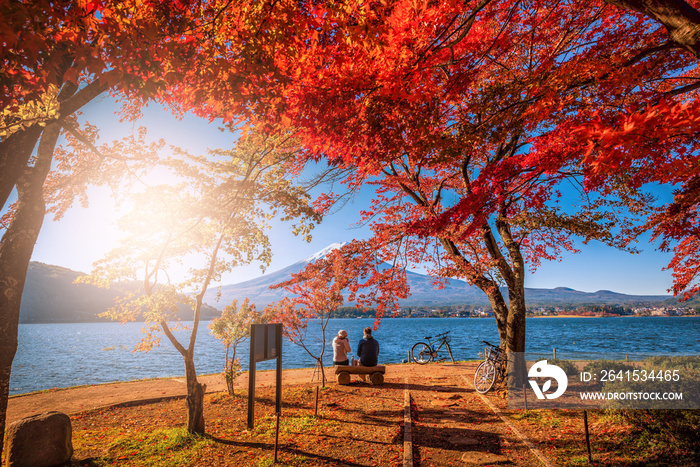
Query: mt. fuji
[[423, 292], [258, 289]]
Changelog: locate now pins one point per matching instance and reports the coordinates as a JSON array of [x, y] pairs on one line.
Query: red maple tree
[[473, 118]]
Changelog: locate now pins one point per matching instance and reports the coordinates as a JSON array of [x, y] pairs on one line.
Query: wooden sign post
[[265, 344]]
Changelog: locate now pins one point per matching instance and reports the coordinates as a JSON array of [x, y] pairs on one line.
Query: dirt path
[[83, 398], [80, 399], [453, 425]]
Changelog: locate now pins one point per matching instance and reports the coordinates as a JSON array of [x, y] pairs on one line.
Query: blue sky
[[84, 235]]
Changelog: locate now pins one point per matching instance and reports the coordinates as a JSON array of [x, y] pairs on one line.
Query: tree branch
[[75, 131]]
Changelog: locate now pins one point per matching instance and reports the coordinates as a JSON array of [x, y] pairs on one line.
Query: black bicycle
[[423, 353], [491, 370]]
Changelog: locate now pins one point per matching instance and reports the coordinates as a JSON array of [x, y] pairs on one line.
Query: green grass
[[294, 462], [161, 447], [289, 425], [579, 460]]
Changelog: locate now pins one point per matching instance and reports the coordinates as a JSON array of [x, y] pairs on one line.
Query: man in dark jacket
[[368, 349]]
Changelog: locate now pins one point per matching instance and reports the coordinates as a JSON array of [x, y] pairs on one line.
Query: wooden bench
[[376, 373]]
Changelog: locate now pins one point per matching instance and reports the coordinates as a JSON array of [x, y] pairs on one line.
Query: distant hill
[[423, 291], [565, 295], [693, 302], [50, 296]]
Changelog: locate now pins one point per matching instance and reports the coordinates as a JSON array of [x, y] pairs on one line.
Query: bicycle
[[491, 370], [423, 353]]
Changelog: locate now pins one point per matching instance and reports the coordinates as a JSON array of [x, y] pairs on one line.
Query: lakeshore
[[65, 355]]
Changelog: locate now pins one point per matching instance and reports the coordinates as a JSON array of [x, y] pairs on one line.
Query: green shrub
[[664, 363], [672, 431]]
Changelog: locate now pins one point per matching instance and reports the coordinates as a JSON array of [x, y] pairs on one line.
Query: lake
[[64, 355]]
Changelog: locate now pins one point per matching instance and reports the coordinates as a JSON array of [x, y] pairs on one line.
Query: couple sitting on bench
[[367, 349]]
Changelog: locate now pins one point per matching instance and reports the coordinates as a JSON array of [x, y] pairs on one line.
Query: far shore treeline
[[50, 296]]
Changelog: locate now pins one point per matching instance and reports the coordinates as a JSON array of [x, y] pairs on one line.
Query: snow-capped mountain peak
[[324, 252]]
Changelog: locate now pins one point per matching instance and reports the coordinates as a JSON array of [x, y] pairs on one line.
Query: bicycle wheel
[[484, 377], [421, 353]]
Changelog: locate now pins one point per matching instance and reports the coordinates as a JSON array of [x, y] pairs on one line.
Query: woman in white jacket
[[341, 347]]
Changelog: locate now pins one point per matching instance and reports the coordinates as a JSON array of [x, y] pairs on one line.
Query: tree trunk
[[323, 350], [323, 373], [500, 311], [681, 20], [16, 248], [15, 151], [229, 371], [488, 286], [515, 342], [17, 244], [195, 390], [195, 398], [514, 276]]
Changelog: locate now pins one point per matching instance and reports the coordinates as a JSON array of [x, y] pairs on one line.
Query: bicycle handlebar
[[490, 344], [437, 335]]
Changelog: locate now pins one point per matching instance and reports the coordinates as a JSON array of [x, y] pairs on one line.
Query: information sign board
[[265, 344]]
